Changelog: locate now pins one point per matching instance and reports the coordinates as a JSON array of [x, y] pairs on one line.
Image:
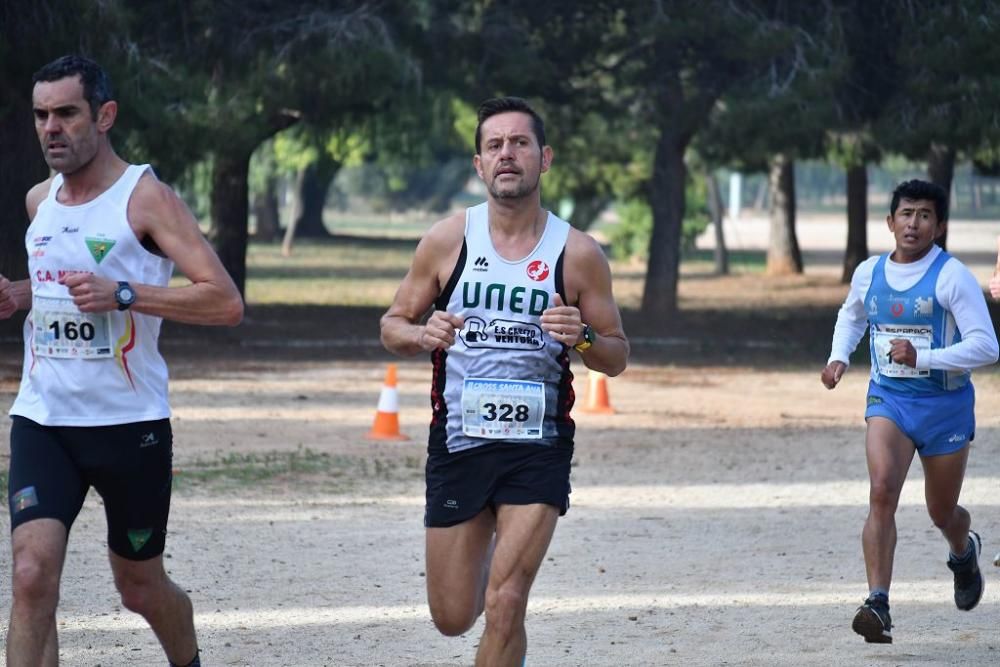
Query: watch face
[[124, 295]]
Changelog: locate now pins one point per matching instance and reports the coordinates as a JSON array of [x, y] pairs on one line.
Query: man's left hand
[[562, 322], [91, 293]]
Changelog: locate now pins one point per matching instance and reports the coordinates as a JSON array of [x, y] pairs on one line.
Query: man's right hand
[[832, 373], [7, 304], [439, 332]]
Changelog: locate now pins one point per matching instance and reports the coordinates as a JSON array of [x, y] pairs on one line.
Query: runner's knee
[[36, 582], [505, 608], [142, 595], [453, 622], [883, 496], [942, 514]]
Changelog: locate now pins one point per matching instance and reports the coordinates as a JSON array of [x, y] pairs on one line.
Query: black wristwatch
[[588, 339], [124, 295]]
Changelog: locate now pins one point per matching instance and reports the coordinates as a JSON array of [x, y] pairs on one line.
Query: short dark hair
[[917, 189], [497, 105], [96, 83]]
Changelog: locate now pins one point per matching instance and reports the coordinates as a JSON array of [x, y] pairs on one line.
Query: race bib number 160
[[502, 409], [61, 330]]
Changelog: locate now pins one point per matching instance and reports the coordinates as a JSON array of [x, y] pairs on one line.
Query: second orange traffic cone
[[597, 394], [386, 426]]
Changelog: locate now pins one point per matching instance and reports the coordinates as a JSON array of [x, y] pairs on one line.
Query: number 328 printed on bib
[[502, 409]]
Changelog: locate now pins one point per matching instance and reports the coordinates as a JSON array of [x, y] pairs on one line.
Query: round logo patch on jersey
[[538, 270]]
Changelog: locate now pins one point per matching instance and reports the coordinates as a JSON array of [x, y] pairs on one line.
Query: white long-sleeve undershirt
[[957, 291]]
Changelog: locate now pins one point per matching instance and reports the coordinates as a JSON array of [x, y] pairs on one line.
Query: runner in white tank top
[[513, 288], [92, 408], [87, 369]]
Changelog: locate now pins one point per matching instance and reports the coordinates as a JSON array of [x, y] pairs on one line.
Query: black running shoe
[[872, 622], [968, 579]]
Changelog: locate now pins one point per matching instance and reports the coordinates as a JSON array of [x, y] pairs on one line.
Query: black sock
[[196, 662], [965, 557], [879, 595]]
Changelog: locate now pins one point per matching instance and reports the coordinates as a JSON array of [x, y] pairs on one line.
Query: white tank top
[[90, 369], [504, 379]]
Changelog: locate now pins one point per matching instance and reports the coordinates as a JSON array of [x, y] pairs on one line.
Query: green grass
[[349, 271], [341, 272], [395, 225], [701, 261], [301, 467]]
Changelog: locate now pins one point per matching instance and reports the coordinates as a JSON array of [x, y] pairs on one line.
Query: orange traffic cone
[[597, 394], [386, 426]]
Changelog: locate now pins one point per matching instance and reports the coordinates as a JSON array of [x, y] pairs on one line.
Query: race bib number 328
[[502, 409]]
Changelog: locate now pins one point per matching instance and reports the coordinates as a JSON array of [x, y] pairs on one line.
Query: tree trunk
[[586, 210], [783, 255], [265, 210], [941, 170], [21, 167], [229, 209], [311, 192], [857, 220], [715, 210], [659, 295]]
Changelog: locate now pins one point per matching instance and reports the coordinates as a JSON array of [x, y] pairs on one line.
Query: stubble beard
[[520, 191], [75, 156]]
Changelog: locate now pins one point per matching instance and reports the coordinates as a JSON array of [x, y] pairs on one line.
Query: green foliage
[[950, 94], [195, 188], [465, 123], [630, 237]]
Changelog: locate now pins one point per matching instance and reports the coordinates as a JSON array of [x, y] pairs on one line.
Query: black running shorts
[[129, 465], [461, 485]]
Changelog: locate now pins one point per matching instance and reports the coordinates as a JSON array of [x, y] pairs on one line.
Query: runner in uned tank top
[[504, 379]]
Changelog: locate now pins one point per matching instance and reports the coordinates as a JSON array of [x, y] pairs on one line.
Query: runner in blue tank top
[[928, 328], [513, 288]]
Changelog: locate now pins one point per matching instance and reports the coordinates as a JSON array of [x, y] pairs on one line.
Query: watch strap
[[588, 339]]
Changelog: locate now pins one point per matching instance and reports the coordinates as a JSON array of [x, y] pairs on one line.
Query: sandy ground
[[715, 520]]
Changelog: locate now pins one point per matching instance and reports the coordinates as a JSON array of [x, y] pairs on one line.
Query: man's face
[[915, 226], [510, 161], [68, 132]]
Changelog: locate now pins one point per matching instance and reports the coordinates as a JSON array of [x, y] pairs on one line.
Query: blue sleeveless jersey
[[917, 315]]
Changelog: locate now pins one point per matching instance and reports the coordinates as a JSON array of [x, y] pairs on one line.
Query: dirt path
[[715, 520]]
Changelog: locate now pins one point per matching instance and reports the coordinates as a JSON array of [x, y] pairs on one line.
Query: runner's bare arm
[[16, 294], [155, 211], [433, 260], [587, 277]]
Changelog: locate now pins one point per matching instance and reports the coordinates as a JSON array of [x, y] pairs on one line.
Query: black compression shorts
[[129, 465]]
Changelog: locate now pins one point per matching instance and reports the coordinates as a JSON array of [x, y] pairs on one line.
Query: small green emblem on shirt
[[99, 248]]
